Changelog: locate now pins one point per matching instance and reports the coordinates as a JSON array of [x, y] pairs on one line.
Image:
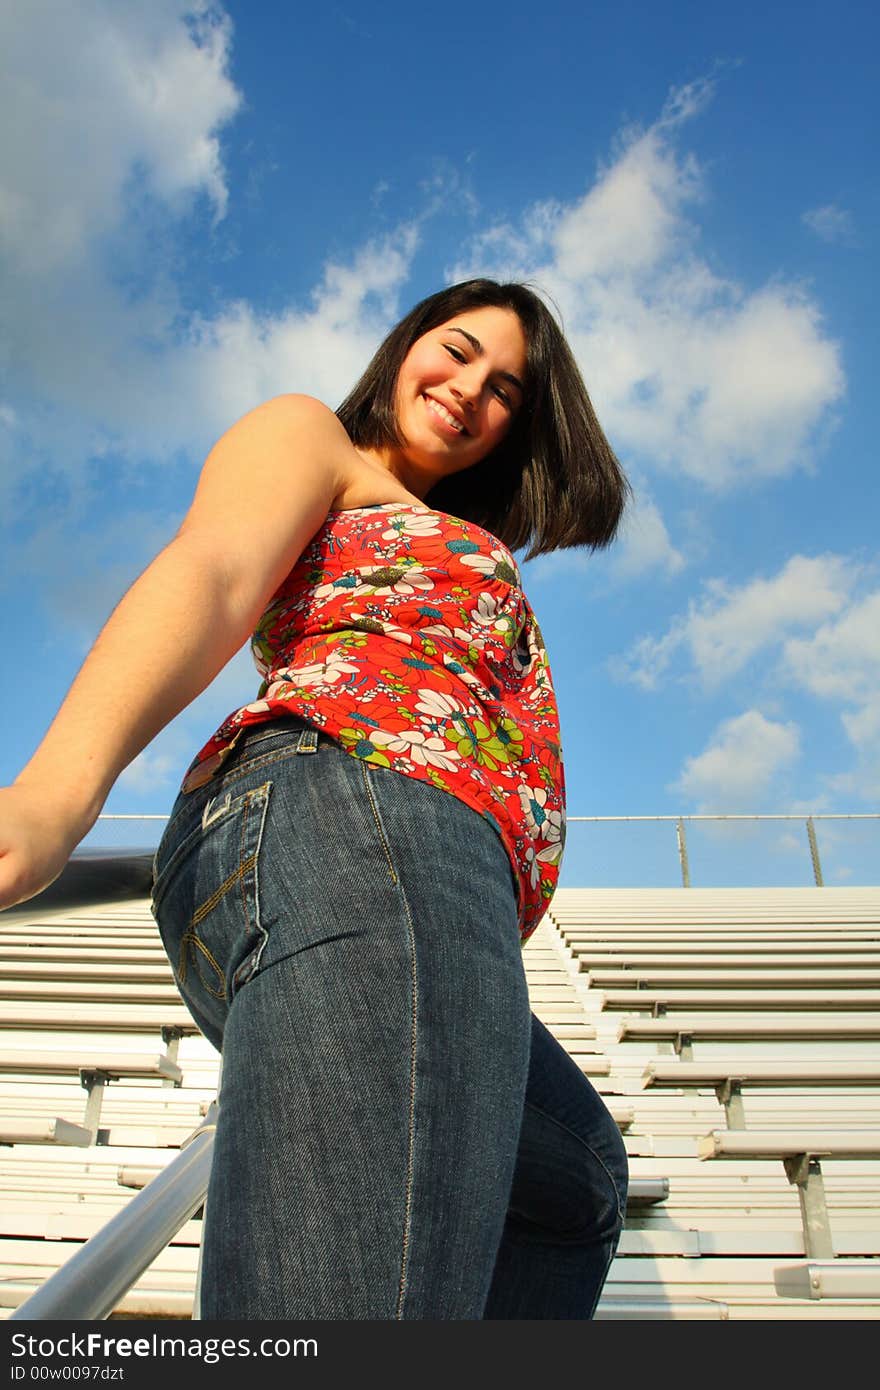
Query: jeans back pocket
[[206, 902]]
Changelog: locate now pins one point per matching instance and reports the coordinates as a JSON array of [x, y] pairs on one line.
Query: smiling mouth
[[445, 415]]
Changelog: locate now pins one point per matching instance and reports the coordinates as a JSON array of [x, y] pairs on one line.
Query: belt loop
[[308, 741]]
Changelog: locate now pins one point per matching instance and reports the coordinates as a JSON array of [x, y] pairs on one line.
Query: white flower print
[[487, 610], [415, 524], [497, 563], [541, 823], [434, 702], [255, 707], [327, 672], [530, 861], [459, 634], [424, 749]]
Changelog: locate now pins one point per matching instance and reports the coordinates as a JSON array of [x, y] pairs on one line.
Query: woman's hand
[[35, 843]]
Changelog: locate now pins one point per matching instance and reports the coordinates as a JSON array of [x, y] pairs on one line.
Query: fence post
[[814, 853], [683, 854]]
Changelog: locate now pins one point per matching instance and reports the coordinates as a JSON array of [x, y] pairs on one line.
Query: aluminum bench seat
[[70, 972], [619, 1309], [636, 961], [141, 1301], [728, 1077], [784, 1143], [754, 978], [98, 1018], [94, 1077], [83, 993], [718, 1028], [30, 1222], [44, 1131], [719, 999], [818, 1279], [680, 936], [113, 1065], [802, 1153], [67, 939], [36, 1259], [105, 954], [712, 1073]]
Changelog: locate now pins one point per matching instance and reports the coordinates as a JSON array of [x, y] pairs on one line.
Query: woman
[[355, 858]]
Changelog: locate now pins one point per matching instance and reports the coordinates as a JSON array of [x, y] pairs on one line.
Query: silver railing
[[681, 835], [90, 1284]]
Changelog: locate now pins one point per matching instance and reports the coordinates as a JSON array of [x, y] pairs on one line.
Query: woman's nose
[[466, 388]]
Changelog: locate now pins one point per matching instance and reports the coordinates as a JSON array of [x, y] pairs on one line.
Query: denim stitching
[[307, 741], [414, 1003], [601, 1283], [621, 1211], [242, 975], [190, 938], [375, 811], [241, 769], [210, 903], [246, 865]]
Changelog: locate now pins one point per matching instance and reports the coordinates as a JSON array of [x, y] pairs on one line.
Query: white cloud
[[829, 222], [691, 371], [841, 662], [239, 358], [730, 625], [643, 546], [101, 95], [814, 632], [740, 765], [842, 658], [150, 772], [644, 542], [118, 112]]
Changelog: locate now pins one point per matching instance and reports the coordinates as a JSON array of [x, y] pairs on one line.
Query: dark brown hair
[[554, 480]]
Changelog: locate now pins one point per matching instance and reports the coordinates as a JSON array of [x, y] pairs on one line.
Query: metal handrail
[[89, 1285]]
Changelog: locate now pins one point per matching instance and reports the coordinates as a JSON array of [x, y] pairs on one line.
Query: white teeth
[[444, 414]]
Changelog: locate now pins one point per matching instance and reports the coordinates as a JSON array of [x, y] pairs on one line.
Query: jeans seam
[[246, 765], [244, 866], [253, 864], [600, 1286], [621, 1211], [379, 826], [414, 1003]]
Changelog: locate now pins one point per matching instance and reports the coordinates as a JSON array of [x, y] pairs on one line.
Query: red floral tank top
[[404, 634]]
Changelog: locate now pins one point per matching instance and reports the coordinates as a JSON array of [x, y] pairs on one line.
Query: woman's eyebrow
[[478, 349]]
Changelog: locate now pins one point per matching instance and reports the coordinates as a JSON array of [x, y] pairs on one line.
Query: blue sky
[[205, 205]]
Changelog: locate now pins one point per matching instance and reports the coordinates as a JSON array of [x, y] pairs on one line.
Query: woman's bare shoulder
[[293, 408]]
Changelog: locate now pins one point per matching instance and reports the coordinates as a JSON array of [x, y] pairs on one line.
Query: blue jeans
[[398, 1138]]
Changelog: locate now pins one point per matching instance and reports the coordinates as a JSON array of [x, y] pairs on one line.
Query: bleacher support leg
[[94, 1083], [806, 1173], [729, 1094], [171, 1038]]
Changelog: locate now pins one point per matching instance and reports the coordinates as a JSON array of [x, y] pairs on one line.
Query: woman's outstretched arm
[[264, 490]]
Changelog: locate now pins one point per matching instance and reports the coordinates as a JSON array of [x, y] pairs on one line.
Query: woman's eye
[[502, 395], [455, 352]]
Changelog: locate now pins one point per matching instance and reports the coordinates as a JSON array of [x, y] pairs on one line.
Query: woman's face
[[459, 389]]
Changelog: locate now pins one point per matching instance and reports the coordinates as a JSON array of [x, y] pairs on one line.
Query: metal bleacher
[[732, 1032]]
